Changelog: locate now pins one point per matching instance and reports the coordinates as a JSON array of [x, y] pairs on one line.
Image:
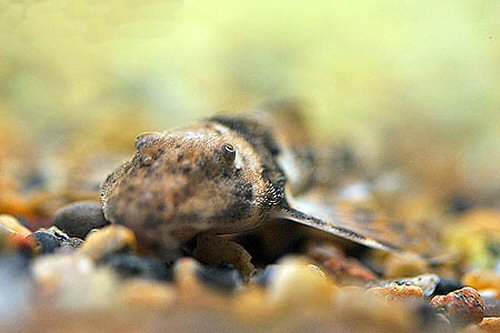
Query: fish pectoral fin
[[337, 229]]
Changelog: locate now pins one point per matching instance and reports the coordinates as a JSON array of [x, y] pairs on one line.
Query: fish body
[[229, 174]]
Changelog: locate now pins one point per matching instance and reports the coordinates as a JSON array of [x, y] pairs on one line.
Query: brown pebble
[[344, 270], [297, 284], [79, 218], [483, 279], [405, 265], [490, 325], [491, 307], [426, 282], [397, 293], [13, 235], [150, 294], [12, 224], [463, 307], [108, 240]]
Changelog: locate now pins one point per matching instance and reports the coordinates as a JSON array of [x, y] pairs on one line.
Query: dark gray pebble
[[52, 239], [79, 218], [130, 265], [446, 285], [223, 277]]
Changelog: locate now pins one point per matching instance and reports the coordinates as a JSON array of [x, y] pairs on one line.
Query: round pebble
[[463, 307], [405, 265], [107, 241], [295, 285], [79, 218]]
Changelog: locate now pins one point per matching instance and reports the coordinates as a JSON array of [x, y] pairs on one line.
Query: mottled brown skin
[[230, 174], [199, 179]]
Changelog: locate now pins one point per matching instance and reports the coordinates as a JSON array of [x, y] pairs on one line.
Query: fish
[[230, 174]]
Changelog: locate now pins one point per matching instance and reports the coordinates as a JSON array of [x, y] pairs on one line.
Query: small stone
[[483, 279], [430, 321], [263, 277], [13, 225], [129, 265], [397, 293], [426, 282], [54, 272], [108, 240], [223, 277], [446, 285], [490, 325], [491, 307], [296, 286], [186, 280], [405, 265], [13, 236], [356, 311], [79, 218], [52, 239], [15, 289], [344, 270], [137, 293], [463, 307]]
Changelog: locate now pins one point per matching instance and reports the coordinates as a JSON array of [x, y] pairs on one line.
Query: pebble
[[15, 288], [430, 321], [356, 311], [57, 271], [405, 265], [463, 307], [129, 265], [426, 282], [342, 269], [79, 218], [145, 293], [13, 225], [397, 293], [52, 239], [13, 236], [223, 277], [446, 285], [108, 240], [483, 279], [296, 286], [491, 306], [490, 325], [263, 276]]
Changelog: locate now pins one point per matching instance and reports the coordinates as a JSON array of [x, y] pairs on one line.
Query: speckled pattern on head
[[180, 184]]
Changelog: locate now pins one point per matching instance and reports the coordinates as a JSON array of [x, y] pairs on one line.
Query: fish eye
[[229, 152]]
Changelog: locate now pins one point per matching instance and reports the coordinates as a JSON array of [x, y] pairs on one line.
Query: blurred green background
[[414, 84]]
